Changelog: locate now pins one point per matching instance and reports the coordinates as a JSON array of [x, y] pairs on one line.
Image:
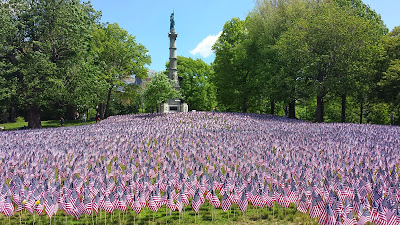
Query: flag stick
[[273, 211], [33, 218], [92, 219], [105, 217]]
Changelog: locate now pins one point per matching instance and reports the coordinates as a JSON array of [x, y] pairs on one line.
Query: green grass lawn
[[207, 215], [45, 124]]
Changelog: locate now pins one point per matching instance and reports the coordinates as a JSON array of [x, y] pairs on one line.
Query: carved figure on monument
[[172, 23]]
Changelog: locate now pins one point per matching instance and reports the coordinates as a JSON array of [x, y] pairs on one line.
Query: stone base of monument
[[173, 105]]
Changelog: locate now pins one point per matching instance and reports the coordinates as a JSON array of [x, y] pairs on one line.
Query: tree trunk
[[70, 114], [292, 110], [319, 112], [34, 117], [107, 113], [5, 116], [343, 119], [13, 115], [272, 106], [244, 106], [101, 110], [361, 113]]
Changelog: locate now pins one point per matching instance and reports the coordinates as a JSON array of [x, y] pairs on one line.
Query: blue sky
[[197, 22]]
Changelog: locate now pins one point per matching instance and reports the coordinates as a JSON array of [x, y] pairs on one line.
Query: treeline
[[56, 58], [318, 60], [322, 60]]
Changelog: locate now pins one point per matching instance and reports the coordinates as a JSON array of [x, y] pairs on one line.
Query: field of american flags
[[201, 167]]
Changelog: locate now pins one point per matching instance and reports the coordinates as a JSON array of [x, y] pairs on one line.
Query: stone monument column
[[173, 69], [173, 104]]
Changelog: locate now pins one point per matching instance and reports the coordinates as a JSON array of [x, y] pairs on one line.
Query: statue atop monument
[[172, 23]]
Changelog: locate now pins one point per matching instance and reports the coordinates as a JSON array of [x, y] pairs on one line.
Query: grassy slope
[[208, 215], [45, 124]]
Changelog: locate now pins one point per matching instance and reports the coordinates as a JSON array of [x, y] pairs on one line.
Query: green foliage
[[126, 100], [196, 86], [41, 56], [159, 90], [232, 67], [118, 57], [390, 81], [332, 49], [379, 114], [54, 55]]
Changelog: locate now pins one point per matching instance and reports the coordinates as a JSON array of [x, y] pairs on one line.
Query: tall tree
[[390, 82], [159, 90], [232, 66], [196, 86], [333, 46], [360, 82], [7, 81], [48, 37], [118, 57], [266, 23]]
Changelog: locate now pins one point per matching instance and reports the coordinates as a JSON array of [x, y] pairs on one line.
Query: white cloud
[[204, 47]]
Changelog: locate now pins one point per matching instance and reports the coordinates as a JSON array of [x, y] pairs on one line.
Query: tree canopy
[[297, 51]]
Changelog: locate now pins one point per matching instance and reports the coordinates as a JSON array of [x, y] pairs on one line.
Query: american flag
[[179, 204], [364, 217], [87, 205], [38, 208], [6, 206], [152, 205], [395, 219], [316, 207], [235, 154], [137, 207], [349, 219], [170, 202], [327, 217], [226, 203], [196, 203], [107, 205], [303, 204], [80, 208], [243, 202], [96, 203]]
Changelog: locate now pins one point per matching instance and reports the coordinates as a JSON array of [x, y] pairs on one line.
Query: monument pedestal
[[174, 105]]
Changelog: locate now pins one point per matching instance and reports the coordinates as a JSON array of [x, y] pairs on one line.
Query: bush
[[379, 114], [20, 119]]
